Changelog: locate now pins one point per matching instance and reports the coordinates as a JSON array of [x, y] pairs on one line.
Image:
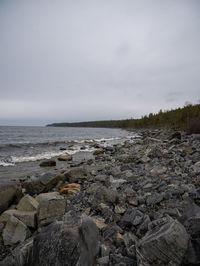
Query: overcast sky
[[81, 60]]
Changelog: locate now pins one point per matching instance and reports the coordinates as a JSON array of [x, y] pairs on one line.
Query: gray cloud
[[84, 60]]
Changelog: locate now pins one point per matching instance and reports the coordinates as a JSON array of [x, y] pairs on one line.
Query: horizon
[[44, 124]]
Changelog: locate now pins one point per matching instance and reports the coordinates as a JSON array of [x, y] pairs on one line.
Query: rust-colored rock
[[70, 189]]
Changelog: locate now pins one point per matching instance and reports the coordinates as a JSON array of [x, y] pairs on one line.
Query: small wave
[[2, 163], [133, 136], [8, 161], [84, 141], [106, 139], [43, 155]]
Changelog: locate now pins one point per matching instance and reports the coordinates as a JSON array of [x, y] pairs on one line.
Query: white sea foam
[[46, 155], [2, 163], [84, 141], [106, 139]]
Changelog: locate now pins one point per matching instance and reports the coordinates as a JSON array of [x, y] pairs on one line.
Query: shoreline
[[136, 194]]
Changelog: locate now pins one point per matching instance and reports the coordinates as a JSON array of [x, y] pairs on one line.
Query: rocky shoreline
[[136, 203]]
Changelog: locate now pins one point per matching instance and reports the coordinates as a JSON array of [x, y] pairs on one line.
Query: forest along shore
[[136, 203]]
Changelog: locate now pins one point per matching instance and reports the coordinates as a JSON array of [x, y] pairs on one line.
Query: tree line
[[185, 118]]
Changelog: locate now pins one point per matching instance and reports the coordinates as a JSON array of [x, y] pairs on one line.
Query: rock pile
[[136, 203]]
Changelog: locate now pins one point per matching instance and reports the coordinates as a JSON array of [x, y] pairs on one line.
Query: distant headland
[[185, 118]]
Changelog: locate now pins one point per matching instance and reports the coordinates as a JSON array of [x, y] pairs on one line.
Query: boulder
[[163, 245], [42, 183], [27, 217], [48, 163], [60, 244], [28, 203], [9, 191], [76, 175], [65, 158], [15, 231], [51, 207]]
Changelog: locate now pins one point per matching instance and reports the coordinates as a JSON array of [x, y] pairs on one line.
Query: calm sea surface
[[25, 144]]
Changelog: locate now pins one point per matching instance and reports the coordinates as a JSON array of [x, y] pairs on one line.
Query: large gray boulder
[[165, 244], [51, 207], [61, 244], [8, 192], [15, 231]]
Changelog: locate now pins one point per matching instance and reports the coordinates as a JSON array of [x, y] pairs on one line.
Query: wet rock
[[48, 163], [65, 158], [99, 151], [76, 175], [59, 244], [9, 191], [163, 245], [51, 207], [15, 231], [62, 149]]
